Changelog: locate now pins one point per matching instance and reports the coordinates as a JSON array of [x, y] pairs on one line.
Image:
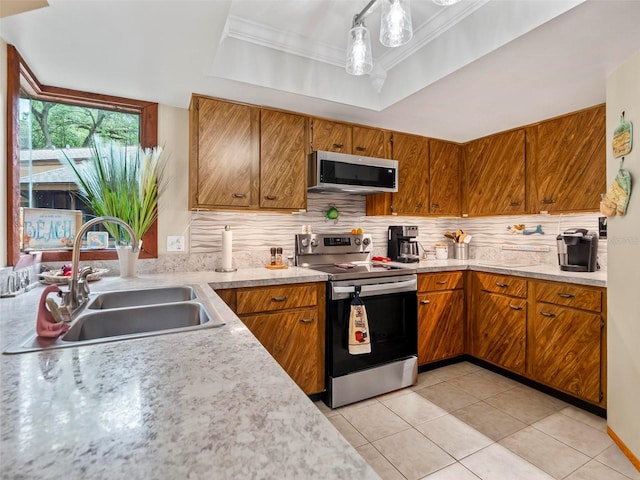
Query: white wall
[[3, 154], [623, 329]]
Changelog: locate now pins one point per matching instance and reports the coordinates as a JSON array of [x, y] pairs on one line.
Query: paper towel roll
[[227, 241]]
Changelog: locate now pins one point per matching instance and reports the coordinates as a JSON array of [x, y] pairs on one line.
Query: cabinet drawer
[[430, 282], [275, 298], [505, 284], [569, 295]]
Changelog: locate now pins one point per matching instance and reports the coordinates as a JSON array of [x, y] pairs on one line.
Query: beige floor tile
[[375, 421], [394, 394], [454, 436], [328, 412], [498, 463], [357, 405], [455, 370], [452, 472], [574, 433], [482, 386], [490, 374], [614, 458], [381, 465], [595, 470], [427, 378], [526, 404], [413, 408], [413, 454], [447, 396], [489, 421], [585, 417], [545, 452], [348, 431]]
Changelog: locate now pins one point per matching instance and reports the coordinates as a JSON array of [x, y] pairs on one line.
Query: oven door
[[391, 306]]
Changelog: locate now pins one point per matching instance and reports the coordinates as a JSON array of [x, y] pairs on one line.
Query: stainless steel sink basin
[[129, 314], [136, 321], [150, 296]]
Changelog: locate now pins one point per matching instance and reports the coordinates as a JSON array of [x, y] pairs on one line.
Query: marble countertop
[[205, 404]]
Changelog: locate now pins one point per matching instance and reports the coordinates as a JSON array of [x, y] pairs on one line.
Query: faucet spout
[[78, 290]]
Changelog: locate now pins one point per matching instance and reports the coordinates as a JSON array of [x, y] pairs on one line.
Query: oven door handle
[[407, 285]]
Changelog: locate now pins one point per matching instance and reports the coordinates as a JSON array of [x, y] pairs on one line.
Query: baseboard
[[627, 453]]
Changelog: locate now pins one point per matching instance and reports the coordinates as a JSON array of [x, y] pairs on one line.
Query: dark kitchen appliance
[[401, 244], [578, 250], [389, 296]]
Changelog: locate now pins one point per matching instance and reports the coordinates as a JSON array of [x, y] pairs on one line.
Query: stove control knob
[[357, 241], [304, 242], [314, 242], [366, 241]]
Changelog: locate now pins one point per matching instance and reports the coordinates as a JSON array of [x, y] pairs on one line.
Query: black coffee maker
[[402, 246], [578, 250]]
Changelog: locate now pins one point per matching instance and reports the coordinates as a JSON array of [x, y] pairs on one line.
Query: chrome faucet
[[78, 292]]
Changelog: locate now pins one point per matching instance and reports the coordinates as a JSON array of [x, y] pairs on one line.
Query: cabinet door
[[368, 142], [282, 160], [565, 350], [568, 155], [412, 154], [294, 340], [331, 136], [440, 325], [495, 174], [444, 178], [498, 330], [227, 155]]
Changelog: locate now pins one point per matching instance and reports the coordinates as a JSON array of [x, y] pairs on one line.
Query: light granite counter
[[198, 405]]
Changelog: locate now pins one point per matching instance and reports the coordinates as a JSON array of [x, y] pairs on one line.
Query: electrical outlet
[[175, 243]]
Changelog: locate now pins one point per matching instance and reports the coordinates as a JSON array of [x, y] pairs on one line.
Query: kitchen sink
[[129, 314], [150, 296]]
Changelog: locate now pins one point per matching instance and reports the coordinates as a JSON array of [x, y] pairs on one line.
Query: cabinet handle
[[418, 205], [435, 205], [515, 204], [515, 307], [359, 149], [306, 320], [566, 295], [425, 302], [270, 197], [547, 201], [338, 145], [279, 299], [501, 285], [548, 314], [239, 195], [441, 282]]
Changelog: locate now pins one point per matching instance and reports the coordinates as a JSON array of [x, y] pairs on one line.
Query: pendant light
[[445, 3], [395, 23], [359, 58]]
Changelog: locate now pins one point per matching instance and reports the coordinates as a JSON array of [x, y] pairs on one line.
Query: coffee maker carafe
[[402, 246], [578, 250]]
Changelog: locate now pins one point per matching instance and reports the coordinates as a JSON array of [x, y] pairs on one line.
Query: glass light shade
[[445, 3], [359, 60], [395, 23]]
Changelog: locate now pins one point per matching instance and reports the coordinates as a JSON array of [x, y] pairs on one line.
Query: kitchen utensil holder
[[461, 251]]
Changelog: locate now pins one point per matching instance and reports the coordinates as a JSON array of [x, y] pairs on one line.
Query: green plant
[[123, 182]]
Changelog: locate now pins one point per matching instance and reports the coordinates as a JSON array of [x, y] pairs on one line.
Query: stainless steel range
[[389, 296]]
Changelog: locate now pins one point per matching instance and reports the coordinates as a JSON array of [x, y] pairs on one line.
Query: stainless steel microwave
[[331, 172]]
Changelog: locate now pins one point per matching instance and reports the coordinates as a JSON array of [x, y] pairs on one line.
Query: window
[[32, 177]]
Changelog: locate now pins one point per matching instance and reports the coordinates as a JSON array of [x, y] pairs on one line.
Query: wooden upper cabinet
[[368, 142], [495, 174], [224, 159], [566, 157], [331, 136], [444, 173], [412, 154], [282, 160]]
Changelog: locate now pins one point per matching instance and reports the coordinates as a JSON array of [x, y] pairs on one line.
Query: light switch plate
[[175, 243]]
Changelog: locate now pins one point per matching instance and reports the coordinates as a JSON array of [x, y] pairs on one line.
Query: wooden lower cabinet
[[499, 330], [288, 320]]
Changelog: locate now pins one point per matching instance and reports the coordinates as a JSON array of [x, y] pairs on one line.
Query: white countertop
[[205, 404]]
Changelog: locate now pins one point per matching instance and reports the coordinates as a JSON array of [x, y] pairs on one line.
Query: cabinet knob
[[435, 205], [515, 204], [566, 295], [441, 282], [360, 149], [270, 197], [548, 314], [306, 320], [547, 201], [501, 285], [425, 302], [279, 299], [338, 145], [515, 307], [239, 195], [418, 205]]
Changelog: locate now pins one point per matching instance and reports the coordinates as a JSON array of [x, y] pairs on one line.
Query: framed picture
[[48, 228], [97, 240]]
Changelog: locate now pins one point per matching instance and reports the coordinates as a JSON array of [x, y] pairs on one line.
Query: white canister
[[442, 252]]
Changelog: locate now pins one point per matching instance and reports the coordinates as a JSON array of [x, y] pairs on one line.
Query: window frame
[[18, 69]]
